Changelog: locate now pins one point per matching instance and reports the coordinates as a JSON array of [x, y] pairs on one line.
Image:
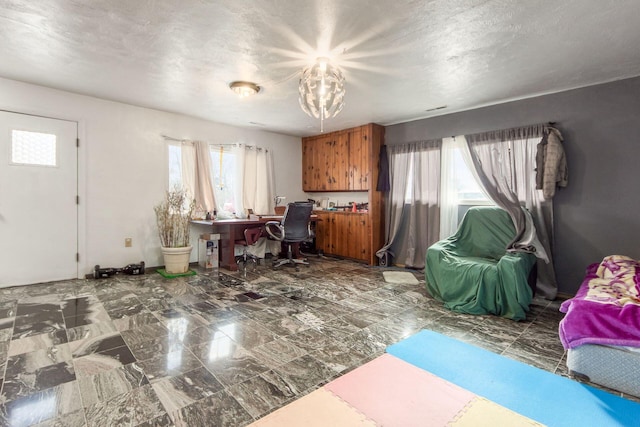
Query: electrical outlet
[[127, 242]]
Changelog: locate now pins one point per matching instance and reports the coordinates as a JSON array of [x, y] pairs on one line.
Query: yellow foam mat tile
[[480, 412], [320, 408]]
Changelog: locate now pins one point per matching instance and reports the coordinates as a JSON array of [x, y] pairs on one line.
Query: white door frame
[[81, 181]]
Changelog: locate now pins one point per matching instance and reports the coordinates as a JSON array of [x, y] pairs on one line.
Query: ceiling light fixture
[[321, 90], [244, 89]]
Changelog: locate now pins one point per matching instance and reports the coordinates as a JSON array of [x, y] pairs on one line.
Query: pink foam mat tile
[[394, 393]]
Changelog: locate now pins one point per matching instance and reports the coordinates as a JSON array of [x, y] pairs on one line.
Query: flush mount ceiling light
[[244, 89], [321, 90]]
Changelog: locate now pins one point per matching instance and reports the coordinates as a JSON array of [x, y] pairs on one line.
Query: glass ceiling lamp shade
[[322, 91], [244, 89]]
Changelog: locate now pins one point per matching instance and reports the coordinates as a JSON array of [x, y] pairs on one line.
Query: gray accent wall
[[598, 214]]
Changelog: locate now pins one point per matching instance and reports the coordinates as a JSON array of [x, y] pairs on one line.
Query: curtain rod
[[250, 147], [170, 138]]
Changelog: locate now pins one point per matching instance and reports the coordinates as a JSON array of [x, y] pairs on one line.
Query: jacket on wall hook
[[551, 163]]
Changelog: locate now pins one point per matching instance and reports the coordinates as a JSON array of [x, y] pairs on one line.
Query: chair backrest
[[485, 231], [252, 235], [296, 221]]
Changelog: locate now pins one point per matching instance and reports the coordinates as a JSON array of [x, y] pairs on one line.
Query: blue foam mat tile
[[540, 395]]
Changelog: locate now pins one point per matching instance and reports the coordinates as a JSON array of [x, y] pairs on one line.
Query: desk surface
[[234, 221], [243, 221]]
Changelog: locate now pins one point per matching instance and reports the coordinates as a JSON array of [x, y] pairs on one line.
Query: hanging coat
[[551, 171]]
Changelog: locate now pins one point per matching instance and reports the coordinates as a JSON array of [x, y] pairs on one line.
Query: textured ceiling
[[400, 58]]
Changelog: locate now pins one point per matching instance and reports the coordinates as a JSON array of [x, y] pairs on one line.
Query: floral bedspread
[[606, 308]]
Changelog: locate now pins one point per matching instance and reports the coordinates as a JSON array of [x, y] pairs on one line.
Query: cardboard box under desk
[[208, 251]]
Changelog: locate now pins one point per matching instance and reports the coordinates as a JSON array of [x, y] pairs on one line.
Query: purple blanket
[[606, 308]]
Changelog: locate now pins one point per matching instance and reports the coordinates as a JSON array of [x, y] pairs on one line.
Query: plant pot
[[176, 260]]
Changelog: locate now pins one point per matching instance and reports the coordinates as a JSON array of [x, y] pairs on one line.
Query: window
[[459, 189], [33, 148], [175, 165], [466, 186], [224, 176]]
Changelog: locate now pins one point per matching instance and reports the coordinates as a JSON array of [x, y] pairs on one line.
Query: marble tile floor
[[221, 348]]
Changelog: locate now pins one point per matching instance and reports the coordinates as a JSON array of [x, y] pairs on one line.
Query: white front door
[[38, 208]]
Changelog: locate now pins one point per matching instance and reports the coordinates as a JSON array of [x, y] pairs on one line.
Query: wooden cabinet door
[[326, 164], [334, 161], [366, 153], [323, 232], [340, 164], [352, 244], [365, 237], [322, 160], [349, 235], [308, 166], [357, 232], [325, 160], [315, 176], [339, 234], [358, 160], [359, 236]]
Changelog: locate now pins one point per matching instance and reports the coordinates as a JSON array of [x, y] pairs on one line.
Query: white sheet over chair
[[260, 249]]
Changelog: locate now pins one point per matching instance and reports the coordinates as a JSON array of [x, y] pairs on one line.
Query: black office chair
[[294, 228]]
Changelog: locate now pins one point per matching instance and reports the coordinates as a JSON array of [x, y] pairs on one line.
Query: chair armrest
[[515, 268], [275, 230]]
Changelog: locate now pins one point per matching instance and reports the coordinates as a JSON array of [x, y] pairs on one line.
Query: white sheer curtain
[[412, 213], [256, 175], [188, 154], [448, 190], [196, 174], [249, 175], [238, 173], [203, 188]]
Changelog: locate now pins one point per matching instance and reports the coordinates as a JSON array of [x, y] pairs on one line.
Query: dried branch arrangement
[[173, 216]]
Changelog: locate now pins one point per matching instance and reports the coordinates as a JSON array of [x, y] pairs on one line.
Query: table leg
[[227, 246]]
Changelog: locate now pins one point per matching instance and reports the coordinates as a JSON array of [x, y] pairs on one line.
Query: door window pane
[[33, 148]]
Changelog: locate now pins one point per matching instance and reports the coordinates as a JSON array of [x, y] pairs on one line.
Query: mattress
[[615, 367]]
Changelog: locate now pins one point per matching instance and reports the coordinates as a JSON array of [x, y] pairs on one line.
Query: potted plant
[[173, 216]]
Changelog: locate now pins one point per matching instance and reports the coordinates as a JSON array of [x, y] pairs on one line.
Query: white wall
[[123, 166]]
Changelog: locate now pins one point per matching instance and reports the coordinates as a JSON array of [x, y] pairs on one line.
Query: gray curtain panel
[[505, 162], [412, 214]]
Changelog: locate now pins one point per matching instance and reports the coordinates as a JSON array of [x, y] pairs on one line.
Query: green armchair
[[471, 272]]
